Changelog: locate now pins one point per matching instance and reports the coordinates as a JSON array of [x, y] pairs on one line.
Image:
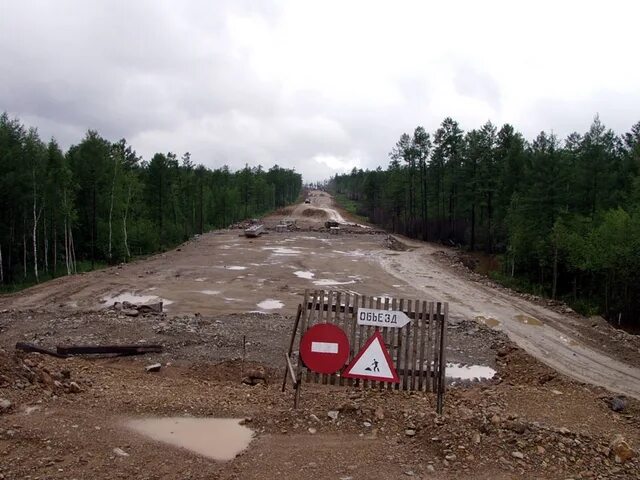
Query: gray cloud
[[240, 82]]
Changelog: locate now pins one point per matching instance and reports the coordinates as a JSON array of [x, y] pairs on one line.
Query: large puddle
[[304, 274], [469, 372], [327, 282], [270, 304], [218, 438], [135, 299], [527, 320]]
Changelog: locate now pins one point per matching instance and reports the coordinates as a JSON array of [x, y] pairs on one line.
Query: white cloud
[[319, 86]]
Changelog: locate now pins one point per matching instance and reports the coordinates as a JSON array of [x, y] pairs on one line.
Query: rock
[[519, 455], [410, 432], [5, 405], [476, 438], [518, 427], [618, 404], [154, 367], [151, 308], [431, 469], [367, 424], [556, 392], [130, 312], [312, 431], [379, 413], [333, 414], [451, 457], [495, 420], [74, 387], [410, 473], [540, 449], [620, 449], [120, 452]]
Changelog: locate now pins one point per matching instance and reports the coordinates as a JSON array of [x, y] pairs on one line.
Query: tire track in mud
[[469, 300]]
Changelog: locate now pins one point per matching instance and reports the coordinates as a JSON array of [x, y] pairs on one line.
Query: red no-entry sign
[[324, 348]]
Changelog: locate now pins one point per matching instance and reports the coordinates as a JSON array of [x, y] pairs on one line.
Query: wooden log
[[30, 347], [293, 339], [107, 349]]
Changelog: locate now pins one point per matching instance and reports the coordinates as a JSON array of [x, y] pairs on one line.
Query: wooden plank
[[443, 357], [423, 332], [347, 326], [414, 350], [293, 339], [385, 335], [362, 330], [325, 307], [429, 381], [337, 320], [393, 339], [290, 370], [407, 349], [30, 347], [399, 345], [321, 301], [303, 318], [352, 337], [436, 349], [107, 349], [308, 375]]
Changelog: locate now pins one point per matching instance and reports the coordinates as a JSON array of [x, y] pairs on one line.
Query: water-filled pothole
[[469, 372], [218, 438]]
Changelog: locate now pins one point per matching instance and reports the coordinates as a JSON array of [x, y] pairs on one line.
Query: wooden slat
[[352, 338], [436, 349], [414, 349], [399, 345], [336, 318], [303, 324], [443, 357], [393, 341], [347, 327], [429, 351], [423, 332], [385, 335], [407, 349]]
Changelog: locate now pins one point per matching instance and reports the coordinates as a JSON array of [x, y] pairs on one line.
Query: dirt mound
[[393, 243], [35, 376], [314, 213]]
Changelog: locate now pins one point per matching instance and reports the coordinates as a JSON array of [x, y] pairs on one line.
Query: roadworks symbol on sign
[[373, 362]]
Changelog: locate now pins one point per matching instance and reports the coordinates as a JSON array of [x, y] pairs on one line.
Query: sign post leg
[[293, 339]]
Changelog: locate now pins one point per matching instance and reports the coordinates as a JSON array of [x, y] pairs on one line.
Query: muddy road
[[224, 273]]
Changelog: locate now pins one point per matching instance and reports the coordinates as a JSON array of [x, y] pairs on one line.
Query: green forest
[[100, 203], [562, 216]]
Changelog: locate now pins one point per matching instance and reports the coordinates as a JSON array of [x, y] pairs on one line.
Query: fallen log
[[105, 349], [31, 348]]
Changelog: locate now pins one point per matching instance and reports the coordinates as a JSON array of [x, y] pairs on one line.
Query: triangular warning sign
[[373, 362]]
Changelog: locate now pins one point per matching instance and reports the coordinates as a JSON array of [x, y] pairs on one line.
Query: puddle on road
[[469, 372], [218, 438], [488, 321], [527, 320], [234, 267], [133, 298], [304, 274], [209, 292], [270, 304], [282, 250], [325, 282], [201, 279]]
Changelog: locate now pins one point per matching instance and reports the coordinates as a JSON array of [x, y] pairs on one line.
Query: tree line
[[101, 202], [563, 216]]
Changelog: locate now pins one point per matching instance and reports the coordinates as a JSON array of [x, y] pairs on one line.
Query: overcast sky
[[320, 86]]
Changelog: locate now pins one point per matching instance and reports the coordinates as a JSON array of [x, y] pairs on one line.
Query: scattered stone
[[131, 312], [74, 387], [618, 404], [410, 432], [120, 452], [541, 449], [495, 420], [5, 405], [476, 438], [451, 457], [333, 414], [620, 449], [154, 367], [379, 413], [367, 424], [431, 469], [312, 430], [519, 455]]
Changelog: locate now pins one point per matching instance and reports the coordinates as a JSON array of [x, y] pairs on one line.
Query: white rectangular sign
[[324, 347], [382, 318]]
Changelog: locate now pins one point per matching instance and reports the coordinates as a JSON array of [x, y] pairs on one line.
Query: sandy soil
[[230, 298]]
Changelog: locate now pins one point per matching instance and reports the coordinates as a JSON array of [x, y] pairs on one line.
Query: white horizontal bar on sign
[[324, 347]]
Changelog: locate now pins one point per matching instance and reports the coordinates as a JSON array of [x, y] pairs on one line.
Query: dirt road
[[223, 272], [230, 303]]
